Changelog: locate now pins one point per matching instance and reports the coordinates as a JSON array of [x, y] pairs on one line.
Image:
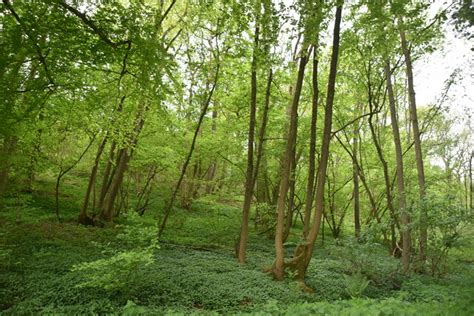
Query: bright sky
[[432, 71]]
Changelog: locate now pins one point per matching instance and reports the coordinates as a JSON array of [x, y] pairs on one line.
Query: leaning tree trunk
[[405, 219], [418, 151], [189, 155], [279, 264], [249, 182], [124, 156], [302, 256], [83, 217]]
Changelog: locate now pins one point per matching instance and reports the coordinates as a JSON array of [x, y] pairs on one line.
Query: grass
[[196, 271]]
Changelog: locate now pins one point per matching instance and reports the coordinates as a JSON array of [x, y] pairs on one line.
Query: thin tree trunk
[[63, 172], [355, 179], [107, 210], [312, 143], [405, 219], [249, 182], [303, 253], [9, 145], [108, 174], [83, 218], [279, 264], [291, 195], [190, 154], [386, 175], [470, 180], [261, 136], [418, 151], [211, 172]]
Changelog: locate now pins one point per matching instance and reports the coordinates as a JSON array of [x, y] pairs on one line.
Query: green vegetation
[[258, 157], [40, 270]]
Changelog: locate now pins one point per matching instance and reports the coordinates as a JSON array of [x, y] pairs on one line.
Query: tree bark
[[261, 137], [189, 155], [405, 219], [278, 266], [9, 145], [302, 256], [355, 179], [249, 182], [418, 151], [83, 217], [312, 143]]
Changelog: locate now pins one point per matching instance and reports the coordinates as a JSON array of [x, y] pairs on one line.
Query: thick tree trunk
[[279, 264], [418, 152], [249, 181], [405, 219], [302, 256]]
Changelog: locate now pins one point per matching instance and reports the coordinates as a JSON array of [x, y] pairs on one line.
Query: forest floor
[[195, 270]]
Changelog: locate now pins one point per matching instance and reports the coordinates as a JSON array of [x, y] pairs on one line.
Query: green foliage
[[119, 271], [265, 219], [356, 284]]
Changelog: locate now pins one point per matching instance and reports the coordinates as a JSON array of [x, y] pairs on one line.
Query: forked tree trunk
[[124, 156], [405, 219], [249, 180], [83, 217], [418, 152], [279, 264], [302, 256]]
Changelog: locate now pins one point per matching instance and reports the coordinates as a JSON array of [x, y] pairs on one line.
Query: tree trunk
[[291, 195], [302, 256], [405, 219], [312, 143], [211, 171], [190, 154], [107, 210], [262, 195], [386, 175], [108, 174], [470, 180], [355, 179], [249, 182], [83, 217], [278, 266], [418, 151], [9, 145]]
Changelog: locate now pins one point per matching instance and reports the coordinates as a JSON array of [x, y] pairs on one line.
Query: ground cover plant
[[267, 157]]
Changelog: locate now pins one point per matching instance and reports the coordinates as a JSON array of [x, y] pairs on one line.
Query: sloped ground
[[195, 271]]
